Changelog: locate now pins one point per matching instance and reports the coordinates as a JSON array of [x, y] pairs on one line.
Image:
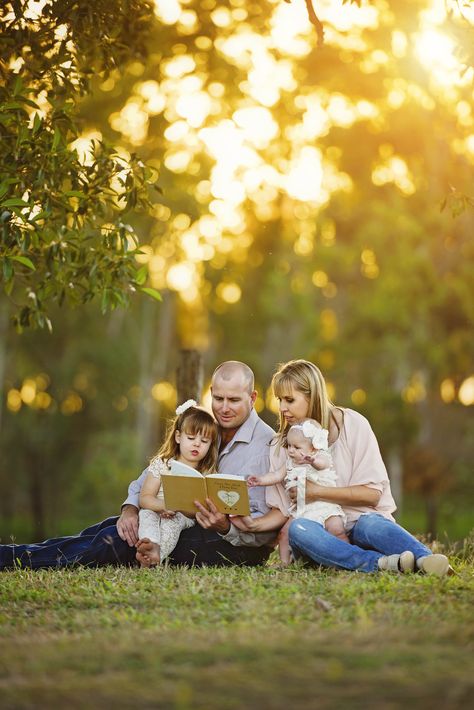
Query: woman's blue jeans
[[372, 537]]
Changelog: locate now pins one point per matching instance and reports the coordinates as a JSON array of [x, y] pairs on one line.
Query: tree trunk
[[36, 472], [395, 470], [3, 354], [155, 347], [431, 516], [189, 376]]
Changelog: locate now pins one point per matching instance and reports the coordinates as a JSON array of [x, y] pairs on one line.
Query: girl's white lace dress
[[164, 531]]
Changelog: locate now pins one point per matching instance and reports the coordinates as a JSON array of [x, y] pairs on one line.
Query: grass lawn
[[236, 638]]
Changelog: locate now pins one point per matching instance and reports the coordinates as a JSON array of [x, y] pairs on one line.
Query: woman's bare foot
[[148, 553]]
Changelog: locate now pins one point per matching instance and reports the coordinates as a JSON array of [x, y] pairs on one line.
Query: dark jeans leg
[[198, 547], [95, 546]]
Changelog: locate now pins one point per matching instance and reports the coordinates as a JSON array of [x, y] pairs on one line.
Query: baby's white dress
[[319, 510], [164, 531]]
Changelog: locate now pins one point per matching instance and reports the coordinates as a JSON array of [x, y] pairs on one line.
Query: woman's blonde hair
[[306, 378], [195, 420]]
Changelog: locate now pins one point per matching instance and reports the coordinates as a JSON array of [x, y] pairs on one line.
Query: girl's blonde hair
[[195, 420], [306, 378]]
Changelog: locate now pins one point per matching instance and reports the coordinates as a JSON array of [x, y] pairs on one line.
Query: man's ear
[[253, 396], [177, 436]]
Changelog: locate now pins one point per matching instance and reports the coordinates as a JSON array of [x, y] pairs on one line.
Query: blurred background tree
[[300, 217]]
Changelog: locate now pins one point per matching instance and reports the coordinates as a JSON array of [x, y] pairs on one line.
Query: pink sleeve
[[276, 496], [368, 468]]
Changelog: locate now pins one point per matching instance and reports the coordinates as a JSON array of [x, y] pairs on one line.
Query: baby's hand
[[319, 460], [167, 514], [253, 481]]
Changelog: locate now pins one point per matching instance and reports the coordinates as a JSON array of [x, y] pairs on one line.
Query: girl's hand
[[167, 514], [252, 481]]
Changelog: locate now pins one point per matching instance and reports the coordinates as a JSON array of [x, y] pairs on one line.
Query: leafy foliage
[[63, 236]]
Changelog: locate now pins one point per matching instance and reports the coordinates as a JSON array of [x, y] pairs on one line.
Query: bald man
[[243, 449]]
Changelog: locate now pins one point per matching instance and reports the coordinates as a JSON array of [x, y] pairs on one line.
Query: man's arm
[[127, 524], [133, 497], [210, 519]]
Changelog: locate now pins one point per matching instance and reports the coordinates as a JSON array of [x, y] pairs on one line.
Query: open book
[[183, 485]]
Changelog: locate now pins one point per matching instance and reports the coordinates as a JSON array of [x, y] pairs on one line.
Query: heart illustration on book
[[229, 498]]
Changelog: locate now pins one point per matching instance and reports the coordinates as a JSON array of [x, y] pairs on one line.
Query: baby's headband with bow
[[318, 436]]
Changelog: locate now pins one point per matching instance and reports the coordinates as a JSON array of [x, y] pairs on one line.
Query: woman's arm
[[273, 520], [149, 492], [347, 495]]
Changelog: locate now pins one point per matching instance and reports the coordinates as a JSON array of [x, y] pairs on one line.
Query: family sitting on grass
[[318, 487]]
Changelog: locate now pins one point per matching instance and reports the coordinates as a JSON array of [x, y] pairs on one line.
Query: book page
[[178, 468], [181, 491], [229, 494]]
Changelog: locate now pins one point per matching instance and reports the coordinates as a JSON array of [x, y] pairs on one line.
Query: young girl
[[192, 439], [308, 459]]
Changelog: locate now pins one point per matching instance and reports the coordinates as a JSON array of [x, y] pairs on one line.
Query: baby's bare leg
[[335, 526], [284, 549]]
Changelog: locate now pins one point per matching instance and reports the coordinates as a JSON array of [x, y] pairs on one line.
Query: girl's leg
[[171, 529], [310, 539], [149, 537]]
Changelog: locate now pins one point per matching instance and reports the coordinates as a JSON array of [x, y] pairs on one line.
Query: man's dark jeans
[[101, 545]]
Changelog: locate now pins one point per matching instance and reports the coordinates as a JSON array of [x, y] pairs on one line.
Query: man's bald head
[[233, 368]]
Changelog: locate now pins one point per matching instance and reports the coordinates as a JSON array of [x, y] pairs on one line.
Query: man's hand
[[210, 519], [127, 525]]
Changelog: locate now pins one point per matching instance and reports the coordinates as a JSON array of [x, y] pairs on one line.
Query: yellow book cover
[[183, 485]]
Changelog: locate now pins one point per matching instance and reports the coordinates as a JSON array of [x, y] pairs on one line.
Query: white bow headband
[[186, 405], [319, 437]]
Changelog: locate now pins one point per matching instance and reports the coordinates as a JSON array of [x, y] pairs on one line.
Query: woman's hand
[[253, 481], [245, 523]]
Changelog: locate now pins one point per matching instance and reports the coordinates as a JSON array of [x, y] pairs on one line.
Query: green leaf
[[7, 269], [41, 215], [75, 193], [57, 138], [140, 276], [25, 261], [37, 122], [15, 202], [152, 292]]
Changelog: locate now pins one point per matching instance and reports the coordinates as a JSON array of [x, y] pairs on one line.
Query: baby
[[308, 459]]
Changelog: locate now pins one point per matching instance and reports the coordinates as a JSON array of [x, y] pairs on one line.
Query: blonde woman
[[363, 489]]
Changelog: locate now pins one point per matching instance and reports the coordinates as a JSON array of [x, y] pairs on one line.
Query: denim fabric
[[95, 546], [197, 547], [372, 537], [101, 545]]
